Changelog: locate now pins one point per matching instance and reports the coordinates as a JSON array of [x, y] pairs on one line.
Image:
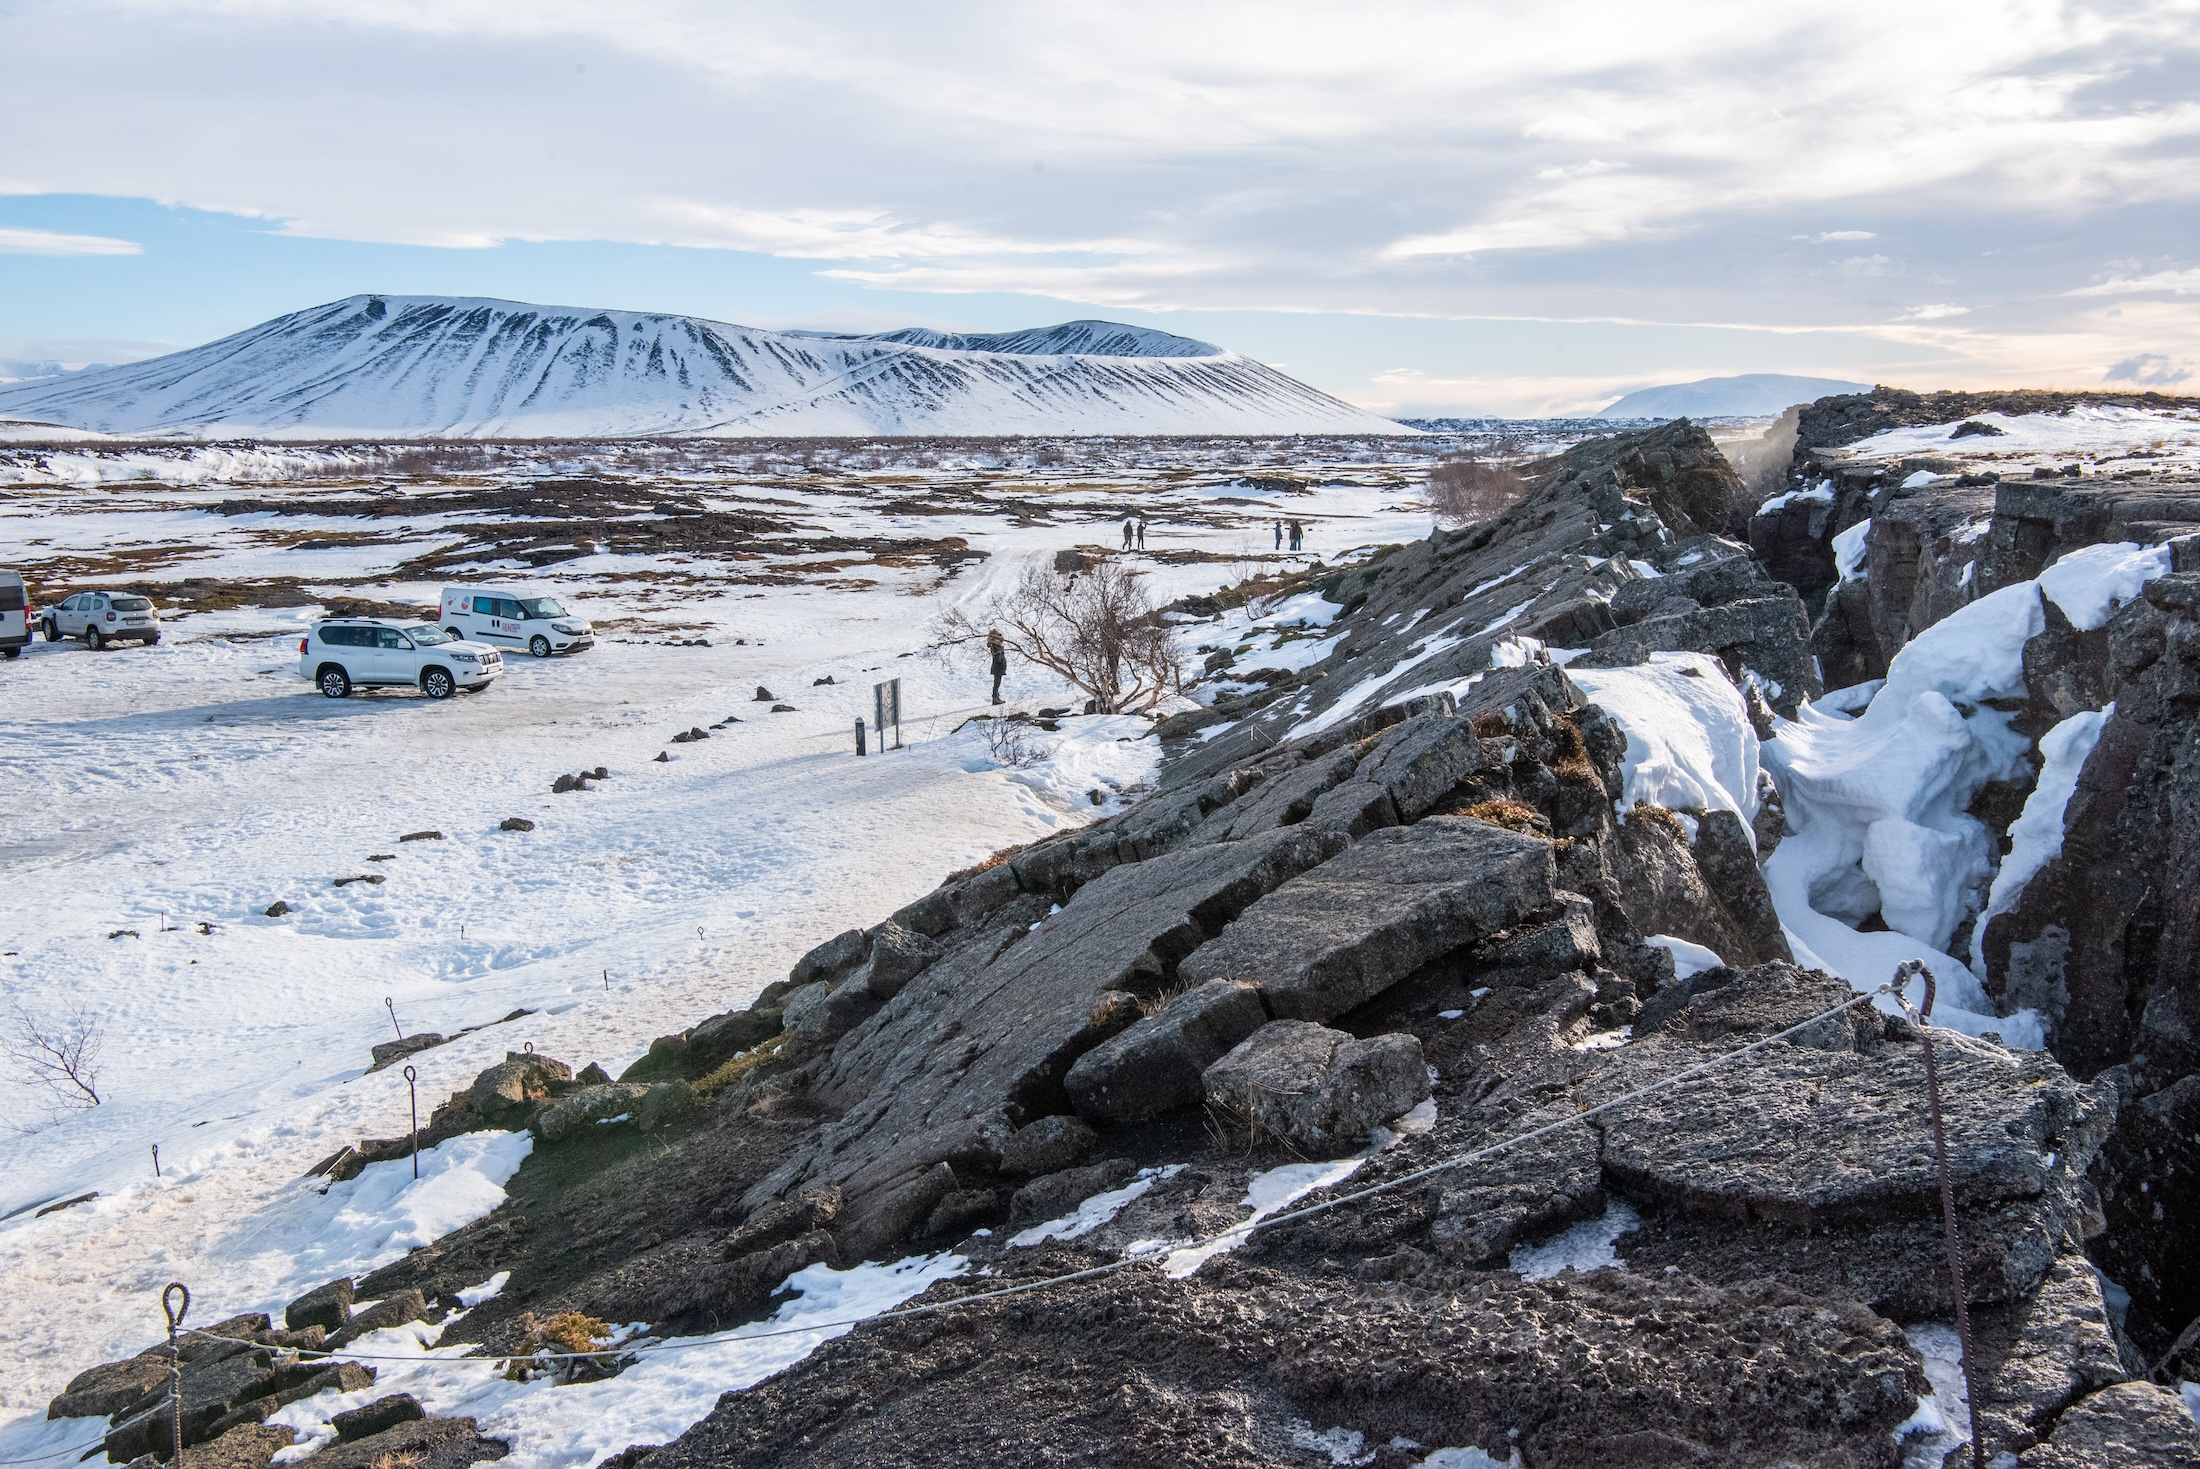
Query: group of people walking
[[1294, 530], [1134, 534]]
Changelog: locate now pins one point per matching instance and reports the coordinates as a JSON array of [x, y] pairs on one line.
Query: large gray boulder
[[587, 1107], [507, 1092], [1156, 1065], [1318, 1091], [1340, 935]]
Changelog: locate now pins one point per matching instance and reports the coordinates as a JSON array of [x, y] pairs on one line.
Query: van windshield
[[427, 634], [541, 606], [128, 604]]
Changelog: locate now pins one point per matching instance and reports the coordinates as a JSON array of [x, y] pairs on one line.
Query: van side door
[[494, 620]]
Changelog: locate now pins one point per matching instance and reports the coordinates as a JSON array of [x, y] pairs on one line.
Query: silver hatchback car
[[100, 618]]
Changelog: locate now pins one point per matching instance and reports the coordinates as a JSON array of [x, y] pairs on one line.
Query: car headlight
[[570, 629], [457, 657]]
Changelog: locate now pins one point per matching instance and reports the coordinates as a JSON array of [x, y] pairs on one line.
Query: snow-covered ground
[[161, 799], [2102, 439]]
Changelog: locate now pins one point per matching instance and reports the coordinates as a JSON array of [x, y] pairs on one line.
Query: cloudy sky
[[1424, 208]]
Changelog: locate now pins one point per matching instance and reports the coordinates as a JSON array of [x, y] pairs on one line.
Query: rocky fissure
[[1395, 907]]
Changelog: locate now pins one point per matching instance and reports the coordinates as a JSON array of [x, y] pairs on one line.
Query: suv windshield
[[427, 633], [542, 606], [128, 604]]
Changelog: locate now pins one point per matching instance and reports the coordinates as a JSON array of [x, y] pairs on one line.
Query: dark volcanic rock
[[108, 1388], [1047, 1146], [383, 1413], [1156, 1064], [326, 1306], [2133, 1425], [428, 1443], [1144, 1370], [1318, 1091]]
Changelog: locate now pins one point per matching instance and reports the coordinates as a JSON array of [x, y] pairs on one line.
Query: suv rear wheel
[[93, 639], [334, 682], [539, 646], [437, 683]]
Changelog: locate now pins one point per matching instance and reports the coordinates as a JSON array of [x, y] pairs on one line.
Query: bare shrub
[[1470, 491], [1097, 629], [1010, 743], [58, 1056]]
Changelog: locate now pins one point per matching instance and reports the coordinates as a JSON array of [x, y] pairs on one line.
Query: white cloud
[[1938, 311], [1438, 158], [47, 242], [2176, 282]]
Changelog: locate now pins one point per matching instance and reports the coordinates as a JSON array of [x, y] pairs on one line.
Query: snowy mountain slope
[[1749, 395], [447, 367], [1084, 338]]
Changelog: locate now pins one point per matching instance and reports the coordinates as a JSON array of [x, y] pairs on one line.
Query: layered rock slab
[[1336, 937]]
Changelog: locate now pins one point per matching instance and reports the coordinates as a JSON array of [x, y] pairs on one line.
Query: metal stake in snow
[[156, 1160], [1915, 969], [391, 1005], [860, 750], [412, 1089], [175, 1314]]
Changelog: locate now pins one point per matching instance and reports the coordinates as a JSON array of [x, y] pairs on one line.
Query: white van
[[504, 617], [15, 616]]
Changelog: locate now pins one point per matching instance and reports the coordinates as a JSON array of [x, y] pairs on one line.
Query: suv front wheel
[[334, 682], [437, 683], [52, 630]]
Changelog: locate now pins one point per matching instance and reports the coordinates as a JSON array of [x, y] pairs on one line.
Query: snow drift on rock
[[455, 367]]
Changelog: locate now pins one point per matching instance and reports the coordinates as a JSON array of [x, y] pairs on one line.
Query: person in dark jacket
[[998, 647], [1130, 528]]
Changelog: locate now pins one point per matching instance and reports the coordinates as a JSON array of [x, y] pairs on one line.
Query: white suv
[[100, 618], [349, 653], [505, 618]]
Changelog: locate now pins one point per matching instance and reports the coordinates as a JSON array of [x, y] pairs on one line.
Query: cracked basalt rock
[[1319, 1091]]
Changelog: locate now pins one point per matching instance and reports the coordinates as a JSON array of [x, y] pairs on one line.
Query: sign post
[[885, 710]]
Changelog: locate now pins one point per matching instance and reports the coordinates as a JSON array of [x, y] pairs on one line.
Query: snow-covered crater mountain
[[401, 367]]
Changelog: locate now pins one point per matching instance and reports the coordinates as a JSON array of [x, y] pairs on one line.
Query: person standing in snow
[[1298, 535], [998, 647], [1279, 535], [1141, 535], [1128, 525]]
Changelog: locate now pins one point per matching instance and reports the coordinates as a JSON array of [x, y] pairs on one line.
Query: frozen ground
[[162, 798]]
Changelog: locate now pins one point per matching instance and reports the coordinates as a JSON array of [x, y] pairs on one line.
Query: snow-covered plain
[[163, 798]]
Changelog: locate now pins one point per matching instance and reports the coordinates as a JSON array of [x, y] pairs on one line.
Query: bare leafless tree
[[1095, 628], [58, 1056], [1470, 491]]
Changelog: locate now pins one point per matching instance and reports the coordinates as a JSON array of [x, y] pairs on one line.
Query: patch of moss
[[708, 1086]]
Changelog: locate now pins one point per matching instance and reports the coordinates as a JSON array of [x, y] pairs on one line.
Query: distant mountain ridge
[[1750, 395], [399, 367]]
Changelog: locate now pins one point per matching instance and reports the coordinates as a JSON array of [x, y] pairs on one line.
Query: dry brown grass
[[567, 1331], [1659, 816], [1573, 755], [1493, 726], [409, 1459], [1513, 815], [1003, 855]]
